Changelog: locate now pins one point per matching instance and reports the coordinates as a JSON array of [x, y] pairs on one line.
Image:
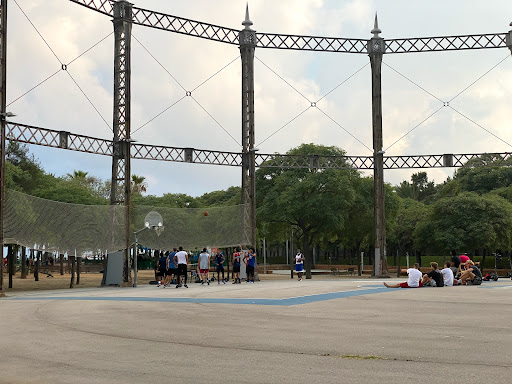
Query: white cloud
[[71, 29]]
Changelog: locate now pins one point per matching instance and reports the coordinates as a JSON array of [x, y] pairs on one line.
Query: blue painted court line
[[282, 302]]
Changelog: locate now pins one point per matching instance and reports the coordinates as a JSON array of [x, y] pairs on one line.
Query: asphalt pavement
[[344, 330]]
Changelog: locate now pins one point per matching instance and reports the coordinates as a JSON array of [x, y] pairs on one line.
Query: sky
[[414, 85]]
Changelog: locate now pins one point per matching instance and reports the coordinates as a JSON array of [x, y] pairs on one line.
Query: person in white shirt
[[299, 265], [447, 274], [181, 260], [204, 267], [414, 280]]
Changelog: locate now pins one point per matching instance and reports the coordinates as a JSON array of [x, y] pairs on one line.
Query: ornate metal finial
[[247, 22], [376, 29]]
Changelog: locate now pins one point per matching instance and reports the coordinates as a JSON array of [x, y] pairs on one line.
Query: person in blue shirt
[[250, 262], [172, 269], [219, 265], [236, 265]]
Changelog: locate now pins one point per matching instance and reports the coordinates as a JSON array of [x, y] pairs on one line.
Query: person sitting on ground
[[447, 274], [464, 258], [414, 280], [434, 278], [455, 262], [471, 275]]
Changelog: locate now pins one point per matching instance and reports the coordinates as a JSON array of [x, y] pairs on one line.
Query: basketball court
[[316, 331]]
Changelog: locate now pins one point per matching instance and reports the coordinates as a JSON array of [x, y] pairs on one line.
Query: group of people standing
[[173, 266], [460, 270]]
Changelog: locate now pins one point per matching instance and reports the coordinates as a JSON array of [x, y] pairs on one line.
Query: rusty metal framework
[[80, 143], [218, 33], [446, 43], [3, 115]]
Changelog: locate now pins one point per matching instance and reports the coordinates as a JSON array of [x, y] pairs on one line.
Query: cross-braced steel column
[[247, 38], [3, 113], [120, 188], [509, 39], [376, 48]]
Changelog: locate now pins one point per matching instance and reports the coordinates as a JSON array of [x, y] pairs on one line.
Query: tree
[[315, 202], [139, 185], [410, 213], [481, 174], [418, 189], [467, 221]]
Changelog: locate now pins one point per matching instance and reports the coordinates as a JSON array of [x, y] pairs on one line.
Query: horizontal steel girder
[[218, 33], [70, 141]]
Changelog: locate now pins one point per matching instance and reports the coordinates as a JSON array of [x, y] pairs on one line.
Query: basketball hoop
[[159, 230], [153, 220]]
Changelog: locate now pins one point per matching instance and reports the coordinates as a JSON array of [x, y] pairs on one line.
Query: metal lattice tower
[[247, 40], [3, 113], [120, 187], [376, 48]]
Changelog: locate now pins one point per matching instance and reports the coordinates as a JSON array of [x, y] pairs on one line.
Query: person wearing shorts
[[471, 275], [414, 280], [219, 265], [236, 265], [204, 267], [172, 269], [250, 262], [299, 264], [181, 260], [162, 268], [434, 278]]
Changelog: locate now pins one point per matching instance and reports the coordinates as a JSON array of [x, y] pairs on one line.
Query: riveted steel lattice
[[314, 161], [3, 102], [32, 135], [447, 43], [184, 26], [50, 138], [102, 6], [311, 43], [152, 152], [120, 188], [195, 28], [247, 39], [57, 139]]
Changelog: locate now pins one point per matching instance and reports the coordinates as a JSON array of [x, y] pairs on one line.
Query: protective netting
[[55, 226], [190, 228]]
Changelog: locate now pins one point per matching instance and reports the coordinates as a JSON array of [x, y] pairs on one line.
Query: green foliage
[[418, 189], [467, 221], [231, 196], [483, 174], [410, 212], [70, 191]]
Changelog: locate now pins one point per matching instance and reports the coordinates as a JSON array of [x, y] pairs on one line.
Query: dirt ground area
[[88, 280]]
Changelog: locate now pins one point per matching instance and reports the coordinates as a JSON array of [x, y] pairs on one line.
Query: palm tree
[[77, 175], [139, 186]]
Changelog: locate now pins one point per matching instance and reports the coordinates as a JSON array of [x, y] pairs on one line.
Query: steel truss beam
[[152, 19], [60, 139]]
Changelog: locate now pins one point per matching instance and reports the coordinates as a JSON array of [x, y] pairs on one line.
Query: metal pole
[[3, 98], [376, 48], [291, 259], [264, 256], [120, 187], [287, 251], [247, 40], [135, 261]]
